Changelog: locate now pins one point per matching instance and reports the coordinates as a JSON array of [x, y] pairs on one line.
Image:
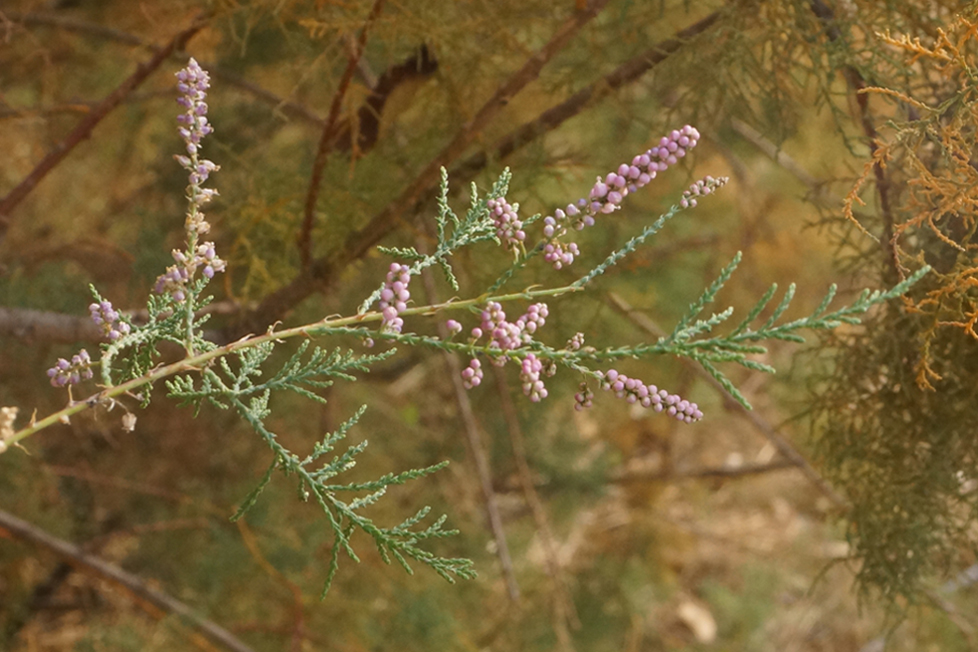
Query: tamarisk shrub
[[232, 377]]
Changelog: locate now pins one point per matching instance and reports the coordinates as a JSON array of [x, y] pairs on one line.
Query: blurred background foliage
[[627, 532]]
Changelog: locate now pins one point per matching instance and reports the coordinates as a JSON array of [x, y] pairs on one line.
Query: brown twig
[[129, 583], [630, 477], [783, 446], [326, 138], [47, 326], [247, 536], [286, 107], [628, 72], [84, 128], [322, 271], [419, 65], [473, 440], [857, 85], [564, 611]]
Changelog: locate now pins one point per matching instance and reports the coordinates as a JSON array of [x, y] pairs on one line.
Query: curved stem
[[201, 360]]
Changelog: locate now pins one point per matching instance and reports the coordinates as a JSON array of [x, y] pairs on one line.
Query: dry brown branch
[[327, 137], [323, 270], [706, 473], [628, 72], [565, 615], [129, 583], [857, 85], [44, 326], [286, 107], [84, 128], [783, 446], [247, 536], [473, 440]]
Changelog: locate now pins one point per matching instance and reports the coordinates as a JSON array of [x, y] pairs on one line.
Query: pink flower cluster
[[506, 335], [608, 193], [472, 375], [394, 297], [104, 315], [509, 228], [649, 396], [193, 82], [530, 370], [71, 373], [703, 187]]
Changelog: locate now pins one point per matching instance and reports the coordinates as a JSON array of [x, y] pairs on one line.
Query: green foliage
[[895, 411], [765, 63]]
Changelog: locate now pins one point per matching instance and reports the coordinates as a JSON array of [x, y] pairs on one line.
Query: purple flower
[[608, 193], [650, 396], [65, 373], [454, 328], [509, 228], [505, 335], [575, 343], [193, 82], [394, 297], [582, 399], [535, 317], [530, 370], [109, 319], [177, 277], [704, 186], [472, 375]]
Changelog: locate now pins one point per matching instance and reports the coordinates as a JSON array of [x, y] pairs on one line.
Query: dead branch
[[327, 137], [473, 440], [84, 128], [126, 581], [565, 614]]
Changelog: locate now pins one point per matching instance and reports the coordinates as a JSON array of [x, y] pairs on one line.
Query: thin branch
[[779, 156], [383, 223], [327, 137], [857, 85], [323, 270], [130, 583], [626, 73], [783, 446], [288, 108], [47, 326], [564, 611], [75, 25], [473, 439], [641, 476], [84, 128]]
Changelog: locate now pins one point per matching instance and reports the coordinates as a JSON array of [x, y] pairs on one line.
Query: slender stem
[[473, 438], [201, 360]]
